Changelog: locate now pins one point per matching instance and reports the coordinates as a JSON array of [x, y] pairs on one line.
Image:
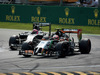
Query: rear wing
[[78, 31], [38, 26], [41, 24]]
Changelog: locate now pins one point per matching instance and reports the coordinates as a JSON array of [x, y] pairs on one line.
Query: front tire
[[13, 41], [61, 49], [27, 56], [85, 46], [26, 46]]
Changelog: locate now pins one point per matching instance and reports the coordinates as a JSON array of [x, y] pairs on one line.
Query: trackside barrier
[[54, 73], [52, 14]]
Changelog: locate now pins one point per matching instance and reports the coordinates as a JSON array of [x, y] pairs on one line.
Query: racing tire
[[26, 46], [85, 46], [61, 50], [27, 56], [13, 40]]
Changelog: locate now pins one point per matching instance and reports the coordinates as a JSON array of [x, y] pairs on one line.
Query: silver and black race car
[[59, 44], [16, 41]]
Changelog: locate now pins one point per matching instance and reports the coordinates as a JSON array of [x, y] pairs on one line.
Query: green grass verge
[[28, 26]]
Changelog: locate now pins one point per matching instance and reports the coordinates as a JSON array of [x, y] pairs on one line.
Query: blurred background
[[48, 2]]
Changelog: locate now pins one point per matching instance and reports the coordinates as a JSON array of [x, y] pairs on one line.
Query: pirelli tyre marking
[[54, 73]]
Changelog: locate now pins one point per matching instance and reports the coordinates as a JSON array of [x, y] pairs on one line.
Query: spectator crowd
[[83, 3], [89, 3]]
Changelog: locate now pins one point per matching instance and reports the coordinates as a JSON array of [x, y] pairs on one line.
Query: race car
[[16, 41], [59, 44]]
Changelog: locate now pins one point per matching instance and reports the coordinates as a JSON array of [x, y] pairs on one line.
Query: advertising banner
[[53, 14]]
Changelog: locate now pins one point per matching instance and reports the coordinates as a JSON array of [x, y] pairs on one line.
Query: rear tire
[[85, 46]]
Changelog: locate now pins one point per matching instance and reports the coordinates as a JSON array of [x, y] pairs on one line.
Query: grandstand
[[39, 2], [44, 2], [12, 1]]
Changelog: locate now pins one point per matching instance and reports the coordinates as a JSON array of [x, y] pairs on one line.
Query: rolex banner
[[53, 14]]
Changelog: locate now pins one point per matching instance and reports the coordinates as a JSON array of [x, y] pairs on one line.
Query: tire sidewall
[[85, 46]]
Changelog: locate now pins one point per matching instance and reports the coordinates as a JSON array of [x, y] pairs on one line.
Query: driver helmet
[[56, 37], [35, 31]]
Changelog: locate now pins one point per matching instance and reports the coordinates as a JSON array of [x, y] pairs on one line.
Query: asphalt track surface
[[11, 62]]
